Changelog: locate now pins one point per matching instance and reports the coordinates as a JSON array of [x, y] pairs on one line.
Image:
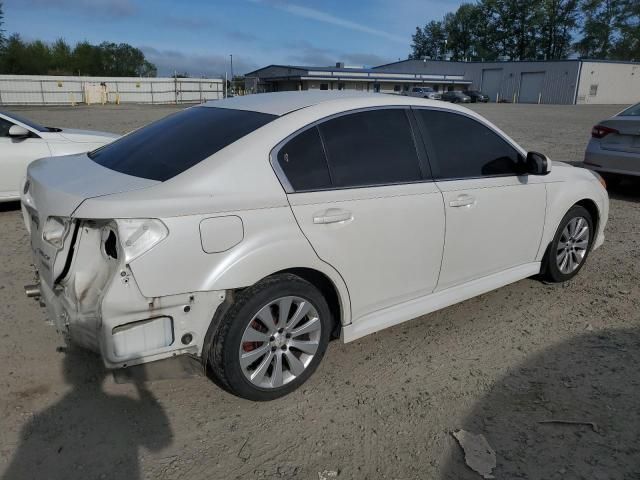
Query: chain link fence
[[51, 90]]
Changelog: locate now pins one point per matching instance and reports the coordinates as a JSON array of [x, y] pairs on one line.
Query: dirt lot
[[381, 407]]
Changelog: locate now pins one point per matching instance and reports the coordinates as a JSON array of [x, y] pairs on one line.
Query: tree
[[2, 39], [627, 46], [39, 58], [418, 42], [463, 29], [60, 63], [559, 19], [147, 69], [611, 29], [429, 42], [13, 55], [86, 59], [512, 29]]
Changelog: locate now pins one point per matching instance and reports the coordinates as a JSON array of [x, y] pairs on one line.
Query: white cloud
[[320, 16], [196, 65]]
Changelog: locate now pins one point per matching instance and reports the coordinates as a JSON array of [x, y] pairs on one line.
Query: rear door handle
[[332, 215], [463, 201]]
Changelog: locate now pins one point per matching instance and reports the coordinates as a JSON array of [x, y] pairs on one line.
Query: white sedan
[[22, 141], [245, 233]]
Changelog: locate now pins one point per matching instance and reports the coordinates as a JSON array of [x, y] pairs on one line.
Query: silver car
[[425, 92], [614, 149]]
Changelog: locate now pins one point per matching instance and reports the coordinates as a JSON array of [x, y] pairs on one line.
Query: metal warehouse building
[[558, 82]]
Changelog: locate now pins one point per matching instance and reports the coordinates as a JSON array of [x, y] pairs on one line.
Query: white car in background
[[22, 141], [245, 233], [424, 92]]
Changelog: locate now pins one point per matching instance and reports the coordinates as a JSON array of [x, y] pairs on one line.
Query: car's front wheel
[[570, 246], [271, 339]]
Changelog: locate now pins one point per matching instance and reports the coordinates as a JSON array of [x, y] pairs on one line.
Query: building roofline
[[372, 79], [307, 67], [596, 60], [555, 60], [427, 60]]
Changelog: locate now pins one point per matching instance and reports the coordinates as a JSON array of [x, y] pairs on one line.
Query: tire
[[571, 243], [280, 363]]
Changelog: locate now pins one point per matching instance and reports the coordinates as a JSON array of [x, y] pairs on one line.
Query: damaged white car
[[244, 233]]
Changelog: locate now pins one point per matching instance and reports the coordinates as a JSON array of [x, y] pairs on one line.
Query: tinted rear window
[[168, 147]]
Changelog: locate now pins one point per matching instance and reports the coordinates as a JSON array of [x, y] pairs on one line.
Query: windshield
[[168, 147], [633, 111], [28, 123]]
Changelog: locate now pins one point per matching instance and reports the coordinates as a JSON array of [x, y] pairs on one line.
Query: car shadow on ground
[[9, 206], [627, 189], [90, 433], [594, 378]]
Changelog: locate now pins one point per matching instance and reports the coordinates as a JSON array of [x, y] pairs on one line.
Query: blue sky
[[198, 36]]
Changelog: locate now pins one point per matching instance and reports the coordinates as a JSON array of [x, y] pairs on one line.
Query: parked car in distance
[[22, 141], [424, 92], [455, 96], [245, 233], [476, 96], [614, 148]]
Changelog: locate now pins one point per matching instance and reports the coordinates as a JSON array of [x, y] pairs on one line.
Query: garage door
[[531, 84], [491, 79]]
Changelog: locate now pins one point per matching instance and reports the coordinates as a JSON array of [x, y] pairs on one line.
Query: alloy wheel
[[280, 342], [572, 245]]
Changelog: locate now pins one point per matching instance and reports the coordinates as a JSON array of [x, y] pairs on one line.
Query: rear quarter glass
[[172, 145]]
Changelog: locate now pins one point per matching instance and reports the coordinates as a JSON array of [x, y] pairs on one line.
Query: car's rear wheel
[[271, 339], [570, 246]]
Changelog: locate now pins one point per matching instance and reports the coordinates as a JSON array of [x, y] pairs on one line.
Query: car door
[[366, 203], [494, 212], [15, 155]]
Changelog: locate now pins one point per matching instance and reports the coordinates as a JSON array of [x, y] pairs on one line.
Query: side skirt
[[396, 314]]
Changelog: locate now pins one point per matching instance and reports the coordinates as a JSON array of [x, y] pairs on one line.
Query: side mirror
[[538, 164], [16, 131]]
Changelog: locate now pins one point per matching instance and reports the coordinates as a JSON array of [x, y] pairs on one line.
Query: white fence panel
[[52, 90]]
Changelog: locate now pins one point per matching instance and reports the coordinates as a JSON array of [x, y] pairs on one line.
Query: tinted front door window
[[461, 147], [370, 148]]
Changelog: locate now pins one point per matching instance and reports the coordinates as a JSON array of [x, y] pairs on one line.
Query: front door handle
[[332, 215], [463, 201]]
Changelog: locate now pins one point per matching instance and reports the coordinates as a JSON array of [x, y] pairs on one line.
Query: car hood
[[87, 136]]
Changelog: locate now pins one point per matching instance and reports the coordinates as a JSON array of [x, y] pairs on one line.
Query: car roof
[[281, 103]]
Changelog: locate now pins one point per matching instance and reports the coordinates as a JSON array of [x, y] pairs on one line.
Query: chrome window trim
[[284, 181]]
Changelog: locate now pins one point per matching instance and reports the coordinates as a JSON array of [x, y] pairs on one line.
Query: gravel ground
[[380, 407]]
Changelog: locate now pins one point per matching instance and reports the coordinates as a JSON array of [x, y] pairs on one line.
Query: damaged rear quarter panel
[[106, 312], [272, 242]]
